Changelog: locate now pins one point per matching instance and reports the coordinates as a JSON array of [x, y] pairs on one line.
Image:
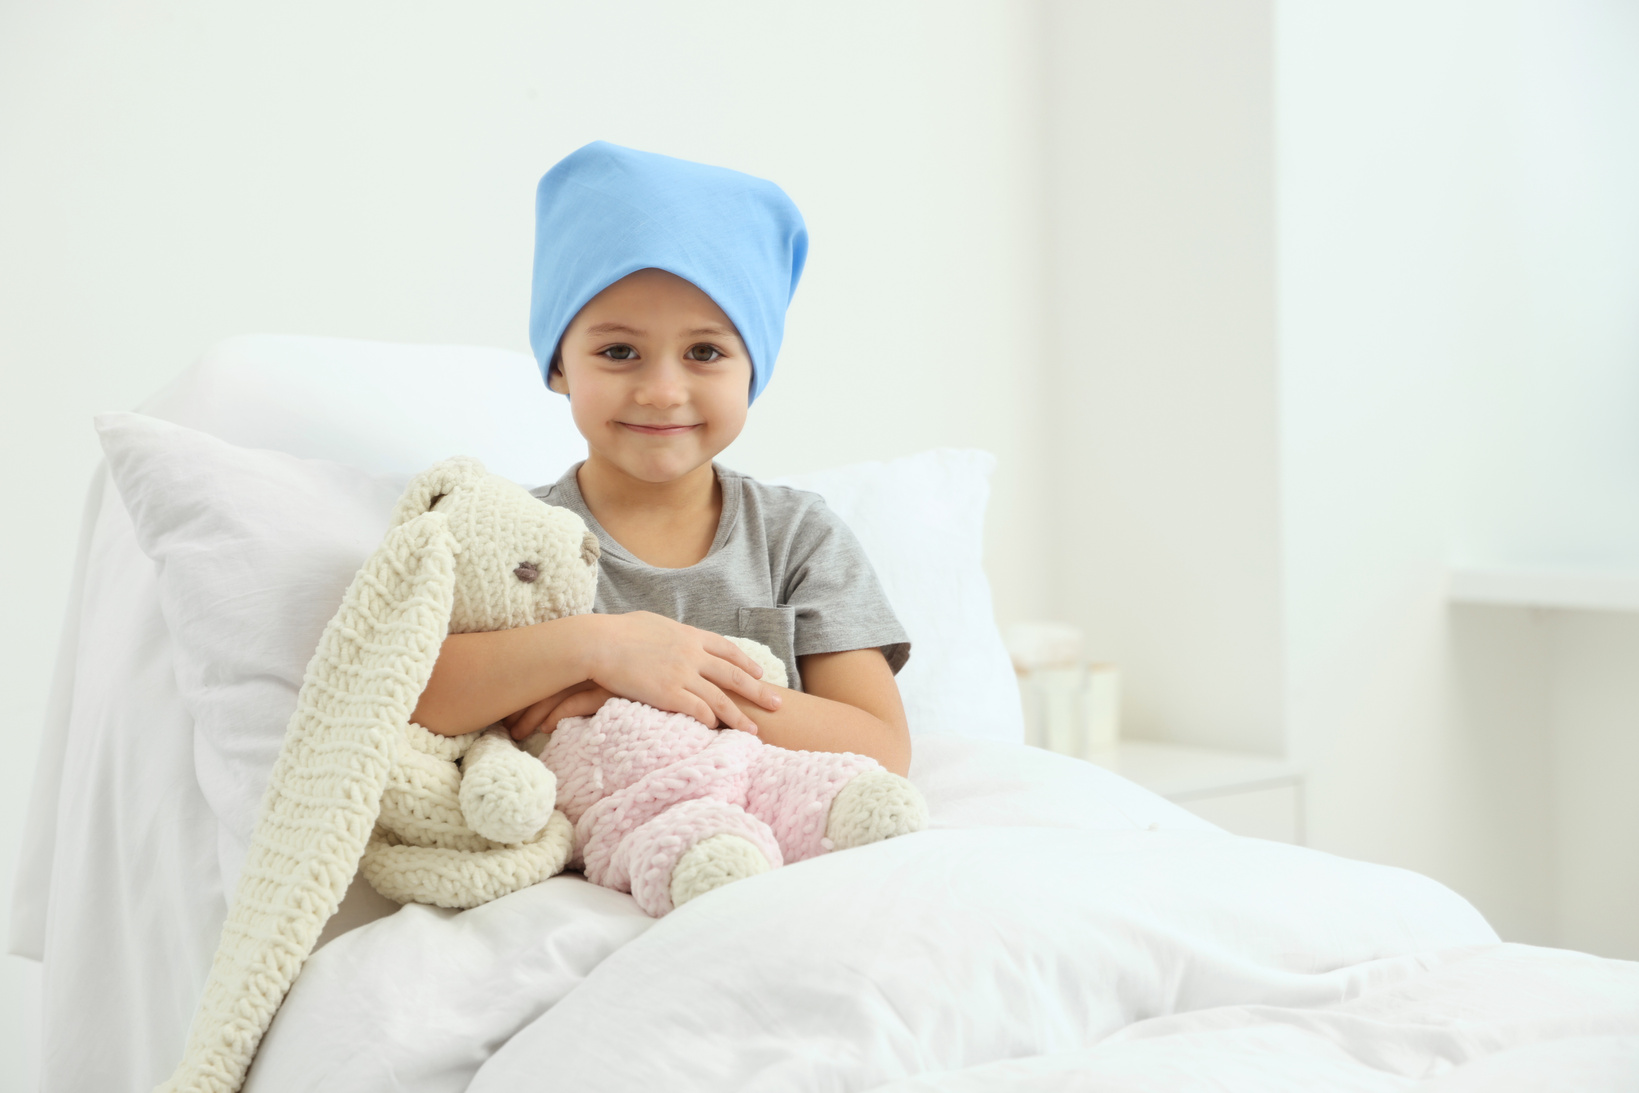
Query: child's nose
[[663, 386]]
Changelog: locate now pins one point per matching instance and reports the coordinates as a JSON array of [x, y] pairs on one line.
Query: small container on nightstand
[[1070, 706], [1073, 707]]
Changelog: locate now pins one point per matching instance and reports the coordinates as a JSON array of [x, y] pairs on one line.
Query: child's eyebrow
[[622, 328], [613, 328]]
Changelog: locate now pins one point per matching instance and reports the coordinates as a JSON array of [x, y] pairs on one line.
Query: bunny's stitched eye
[[527, 572]]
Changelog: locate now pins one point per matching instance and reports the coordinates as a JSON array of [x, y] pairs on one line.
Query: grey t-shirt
[[783, 570]]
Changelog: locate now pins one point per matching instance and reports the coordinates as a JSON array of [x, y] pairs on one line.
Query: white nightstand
[[1241, 792]]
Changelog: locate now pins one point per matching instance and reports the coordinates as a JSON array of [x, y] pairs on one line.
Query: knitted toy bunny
[[459, 836], [668, 809], [355, 779]]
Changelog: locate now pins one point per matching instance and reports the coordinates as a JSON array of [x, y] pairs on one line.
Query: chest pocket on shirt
[[775, 627]]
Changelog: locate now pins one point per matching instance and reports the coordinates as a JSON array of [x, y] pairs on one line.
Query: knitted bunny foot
[[447, 877], [712, 863], [707, 842], [873, 806]]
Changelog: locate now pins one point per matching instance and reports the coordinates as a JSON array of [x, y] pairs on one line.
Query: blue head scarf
[[605, 211]]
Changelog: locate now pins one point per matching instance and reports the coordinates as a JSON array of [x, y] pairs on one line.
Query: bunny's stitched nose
[[527, 572]]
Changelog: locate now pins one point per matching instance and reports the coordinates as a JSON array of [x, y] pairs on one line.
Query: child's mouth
[[657, 430]]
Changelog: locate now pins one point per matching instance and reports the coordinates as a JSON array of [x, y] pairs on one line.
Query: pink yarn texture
[[642, 786]]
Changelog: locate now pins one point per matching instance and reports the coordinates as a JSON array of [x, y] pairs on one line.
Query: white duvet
[[1057, 928]]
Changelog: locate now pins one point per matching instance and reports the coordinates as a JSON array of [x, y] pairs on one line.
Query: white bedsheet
[[122, 893], [1057, 928]]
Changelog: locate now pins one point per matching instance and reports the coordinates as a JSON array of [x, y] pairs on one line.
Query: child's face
[[657, 377]]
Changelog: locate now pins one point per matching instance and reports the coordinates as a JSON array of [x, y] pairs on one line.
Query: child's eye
[[619, 353], [702, 353]]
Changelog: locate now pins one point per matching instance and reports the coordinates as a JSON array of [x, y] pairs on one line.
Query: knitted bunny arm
[[506, 794], [359, 689], [716, 773]]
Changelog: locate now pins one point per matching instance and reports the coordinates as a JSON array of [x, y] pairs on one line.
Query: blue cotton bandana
[[605, 211]]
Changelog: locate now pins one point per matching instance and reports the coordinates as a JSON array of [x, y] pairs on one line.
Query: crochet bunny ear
[[434, 484], [359, 690]]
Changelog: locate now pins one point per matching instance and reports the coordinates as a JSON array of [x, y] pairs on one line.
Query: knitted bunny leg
[[703, 843], [873, 806], [445, 877], [711, 863], [793, 791]]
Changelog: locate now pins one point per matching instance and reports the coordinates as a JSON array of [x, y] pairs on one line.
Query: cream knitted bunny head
[[517, 561]]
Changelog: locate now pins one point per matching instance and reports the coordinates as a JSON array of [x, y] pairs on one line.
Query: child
[[659, 303]]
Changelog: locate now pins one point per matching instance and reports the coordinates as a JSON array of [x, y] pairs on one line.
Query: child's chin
[[666, 468]]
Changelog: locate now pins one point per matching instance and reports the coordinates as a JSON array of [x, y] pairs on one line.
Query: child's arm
[[850, 702], [479, 679]]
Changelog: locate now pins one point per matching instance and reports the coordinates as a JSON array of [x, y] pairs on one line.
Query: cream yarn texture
[[468, 551]]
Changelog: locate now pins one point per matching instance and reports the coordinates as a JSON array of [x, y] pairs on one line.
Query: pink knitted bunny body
[[667, 809]]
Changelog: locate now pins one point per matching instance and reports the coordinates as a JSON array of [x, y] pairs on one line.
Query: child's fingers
[[527, 722], [727, 713], [719, 646], [532, 719], [731, 678], [690, 704], [579, 704]]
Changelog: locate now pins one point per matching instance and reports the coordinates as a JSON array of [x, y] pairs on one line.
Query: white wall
[[1162, 367], [1459, 256], [1552, 474], [1551, 470], [1368, 176], [1272, 236], [1303, 260], [175, 173], [1595, 758]]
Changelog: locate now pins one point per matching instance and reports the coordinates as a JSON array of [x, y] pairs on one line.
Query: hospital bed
[[1055, 928]]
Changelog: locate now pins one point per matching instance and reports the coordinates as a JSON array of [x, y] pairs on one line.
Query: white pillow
[[921, 521], [379, 406], [255, 548]]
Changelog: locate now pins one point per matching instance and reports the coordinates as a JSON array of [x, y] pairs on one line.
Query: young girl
[[659, 304]]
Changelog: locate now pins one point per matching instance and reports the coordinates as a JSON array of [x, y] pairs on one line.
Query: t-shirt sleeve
[[839, 602]]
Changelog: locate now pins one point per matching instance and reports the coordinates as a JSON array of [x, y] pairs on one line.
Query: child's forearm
[[806, 722], [480, 678]]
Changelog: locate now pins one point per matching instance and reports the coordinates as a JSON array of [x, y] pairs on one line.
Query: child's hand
[[652, 659], [581, 700]]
